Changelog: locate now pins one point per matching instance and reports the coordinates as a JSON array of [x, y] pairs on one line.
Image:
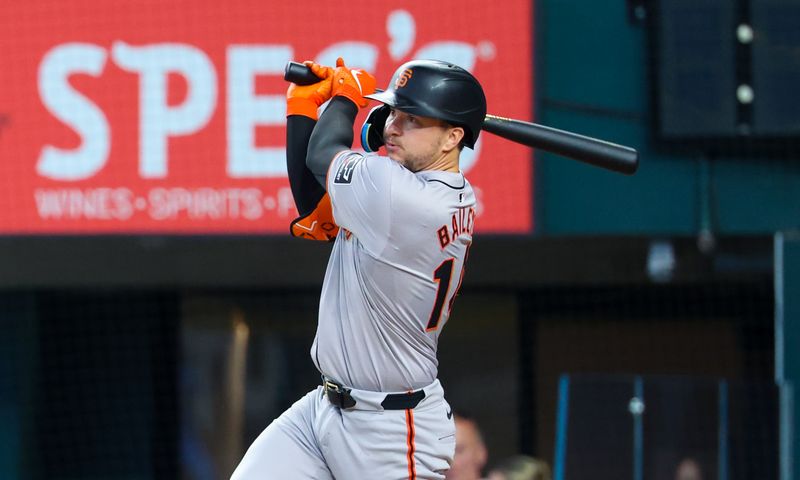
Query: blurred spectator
[[521, 467], [471, 453], [688, 469]]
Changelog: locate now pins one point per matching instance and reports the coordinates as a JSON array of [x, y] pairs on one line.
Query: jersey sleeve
[[360, 187]]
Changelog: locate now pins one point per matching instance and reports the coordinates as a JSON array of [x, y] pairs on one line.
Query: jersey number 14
[[442, 276]]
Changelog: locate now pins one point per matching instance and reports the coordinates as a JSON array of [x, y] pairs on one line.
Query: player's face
[[416, 142]]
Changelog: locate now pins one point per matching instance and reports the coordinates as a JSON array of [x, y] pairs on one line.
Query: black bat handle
[[299, 73]]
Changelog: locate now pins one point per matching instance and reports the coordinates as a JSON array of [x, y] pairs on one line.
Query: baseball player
[[402, 225]]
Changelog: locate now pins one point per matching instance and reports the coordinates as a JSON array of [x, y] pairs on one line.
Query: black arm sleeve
[[305, 189], [333, 133]]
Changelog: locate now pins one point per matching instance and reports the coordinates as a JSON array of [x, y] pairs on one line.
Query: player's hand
[[317, 225], [306, 99], [353, 83]]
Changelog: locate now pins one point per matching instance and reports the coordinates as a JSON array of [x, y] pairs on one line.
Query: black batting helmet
[[436, 89]]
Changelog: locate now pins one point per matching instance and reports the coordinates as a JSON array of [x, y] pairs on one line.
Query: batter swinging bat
[[607, 155]]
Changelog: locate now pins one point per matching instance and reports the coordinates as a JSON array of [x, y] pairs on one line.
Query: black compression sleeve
[[333, 133], [305, 189]]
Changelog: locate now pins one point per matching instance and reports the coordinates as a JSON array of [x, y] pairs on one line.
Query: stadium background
[[156, 316]]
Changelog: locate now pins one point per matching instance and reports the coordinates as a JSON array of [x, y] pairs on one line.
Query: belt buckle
[[331, 386], [338, 395]]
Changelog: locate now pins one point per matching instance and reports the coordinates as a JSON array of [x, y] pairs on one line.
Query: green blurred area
[[592, 78]]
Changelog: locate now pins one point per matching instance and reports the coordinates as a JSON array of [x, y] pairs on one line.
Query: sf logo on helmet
[[403, 78]]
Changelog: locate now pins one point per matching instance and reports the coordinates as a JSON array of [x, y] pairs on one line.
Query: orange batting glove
[[317, 225], [353, 83], [306, 99]]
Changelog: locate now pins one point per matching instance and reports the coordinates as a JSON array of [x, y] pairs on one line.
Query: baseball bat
[[593, 151]]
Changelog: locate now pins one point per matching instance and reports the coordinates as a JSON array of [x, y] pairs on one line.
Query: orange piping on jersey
[[412, 469]]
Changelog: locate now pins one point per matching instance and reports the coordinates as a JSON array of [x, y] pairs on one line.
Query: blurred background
[[155, 315]]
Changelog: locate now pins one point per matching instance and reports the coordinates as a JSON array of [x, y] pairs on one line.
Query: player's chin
[[402, 162], [394, 154]]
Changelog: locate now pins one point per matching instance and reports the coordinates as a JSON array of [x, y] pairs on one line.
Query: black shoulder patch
[[345, 172]]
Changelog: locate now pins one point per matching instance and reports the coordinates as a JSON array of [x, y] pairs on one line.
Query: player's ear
[[453, 139]]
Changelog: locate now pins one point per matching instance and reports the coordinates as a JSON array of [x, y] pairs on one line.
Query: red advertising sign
[[169, 117]]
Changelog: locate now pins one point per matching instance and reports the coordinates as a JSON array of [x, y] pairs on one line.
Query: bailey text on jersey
[[463, 221]]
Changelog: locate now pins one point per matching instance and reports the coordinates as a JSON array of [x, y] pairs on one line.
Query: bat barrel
[[593, 151]]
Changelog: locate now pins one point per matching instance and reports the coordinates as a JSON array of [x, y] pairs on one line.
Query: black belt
[[340, 396]]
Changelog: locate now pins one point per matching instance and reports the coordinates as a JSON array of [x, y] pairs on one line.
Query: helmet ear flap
[[372, 129]]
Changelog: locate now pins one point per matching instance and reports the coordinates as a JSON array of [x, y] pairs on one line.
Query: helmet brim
[[387, 96], [404, 104]]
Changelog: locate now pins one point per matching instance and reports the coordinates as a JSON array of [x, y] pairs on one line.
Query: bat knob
[[299, 74]]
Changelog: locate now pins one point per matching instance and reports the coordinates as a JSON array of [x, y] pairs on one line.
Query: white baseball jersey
[[395, 268], [392, 275]]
